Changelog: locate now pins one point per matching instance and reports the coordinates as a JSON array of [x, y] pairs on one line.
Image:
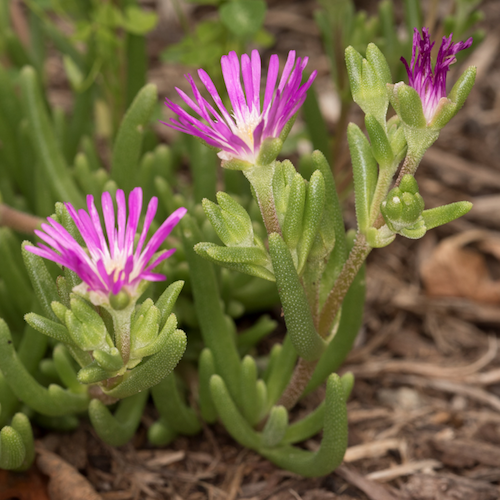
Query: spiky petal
[[431, 85], [240, 135], [107, 266]]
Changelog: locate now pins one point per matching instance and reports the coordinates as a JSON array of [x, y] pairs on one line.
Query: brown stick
[[358, 255], [300, 378], [17, 220]]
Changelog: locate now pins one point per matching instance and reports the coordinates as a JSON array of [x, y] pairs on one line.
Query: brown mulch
[[424, 415]]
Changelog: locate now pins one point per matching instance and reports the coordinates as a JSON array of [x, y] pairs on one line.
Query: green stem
[[381, 189], [357, 256], [410, 165], [261, 179]]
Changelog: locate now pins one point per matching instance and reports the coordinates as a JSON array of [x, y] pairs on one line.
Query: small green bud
[[368, 79], [403, 207], [119, 301], [408, 184]]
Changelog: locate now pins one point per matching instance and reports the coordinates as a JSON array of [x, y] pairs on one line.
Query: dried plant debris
[[454, 270], [65, 481], [448, 487]]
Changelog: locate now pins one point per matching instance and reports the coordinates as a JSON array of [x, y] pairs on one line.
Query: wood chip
[[236, 482], [372, 490], [374, 368], [467, 452], [163, 458], [474, 393], [403, 470], [448, 487], [455, 270], [410, 300], [371, 450], [66, 483]]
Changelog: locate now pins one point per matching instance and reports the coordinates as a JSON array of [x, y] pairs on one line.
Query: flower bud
[[368, 79], [403, 207]]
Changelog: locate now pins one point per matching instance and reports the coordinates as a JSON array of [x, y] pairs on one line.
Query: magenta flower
[[241, 134], [430, 86], [109, 265]]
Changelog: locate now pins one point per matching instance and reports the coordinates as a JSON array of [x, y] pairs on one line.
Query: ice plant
[[431, 85], [241, 134], [108, 267]]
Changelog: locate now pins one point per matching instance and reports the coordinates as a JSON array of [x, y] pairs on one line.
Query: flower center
[[246, 126]]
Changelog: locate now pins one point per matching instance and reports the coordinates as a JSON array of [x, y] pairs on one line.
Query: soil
[[424, 415]]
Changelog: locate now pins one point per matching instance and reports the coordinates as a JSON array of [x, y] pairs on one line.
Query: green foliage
[[239, 24], [243, 18]]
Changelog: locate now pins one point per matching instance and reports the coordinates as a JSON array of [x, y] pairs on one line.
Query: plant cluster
[[102, 330]]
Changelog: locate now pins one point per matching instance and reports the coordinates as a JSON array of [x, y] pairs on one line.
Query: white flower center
[[246, 127]]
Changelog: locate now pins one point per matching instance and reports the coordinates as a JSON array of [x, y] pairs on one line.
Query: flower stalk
[[261, 179]]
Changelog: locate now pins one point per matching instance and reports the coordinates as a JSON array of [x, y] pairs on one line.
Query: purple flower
[[430, 86], [241, 134], [109, 265]]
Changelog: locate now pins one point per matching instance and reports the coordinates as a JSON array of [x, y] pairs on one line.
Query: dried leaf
[[66, 483], [455, 271]]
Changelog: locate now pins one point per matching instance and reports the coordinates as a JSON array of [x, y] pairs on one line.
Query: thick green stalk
[[298, 318], [172, 408], [128, 144], [44, 141], [333, 445], [53, 401], [231, 417], [214, 328], [281, 371], [119, 428]]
